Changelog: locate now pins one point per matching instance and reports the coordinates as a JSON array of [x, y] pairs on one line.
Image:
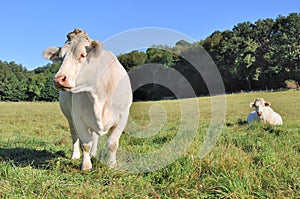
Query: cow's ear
[[267, 104], [51, 53], [251, 104], [95, 48]]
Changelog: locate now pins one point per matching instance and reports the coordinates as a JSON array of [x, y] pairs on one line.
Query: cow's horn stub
[[77, 33]]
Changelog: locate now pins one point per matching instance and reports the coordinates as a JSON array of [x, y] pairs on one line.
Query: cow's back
[[276, 119]]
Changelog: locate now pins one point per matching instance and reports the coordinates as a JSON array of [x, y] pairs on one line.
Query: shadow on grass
[[239, 122], [22, 157], [268, 128], [273, 130]]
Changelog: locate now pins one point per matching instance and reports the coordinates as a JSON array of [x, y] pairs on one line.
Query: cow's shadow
[[23, 157], [239, 122]]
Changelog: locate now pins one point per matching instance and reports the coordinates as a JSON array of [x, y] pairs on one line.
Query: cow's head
[[259, 104], [77, 52]]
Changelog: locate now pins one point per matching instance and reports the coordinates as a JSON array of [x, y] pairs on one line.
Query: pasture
[[258, 161]]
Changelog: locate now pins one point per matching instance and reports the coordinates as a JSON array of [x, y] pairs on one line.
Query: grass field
[[258, 161]]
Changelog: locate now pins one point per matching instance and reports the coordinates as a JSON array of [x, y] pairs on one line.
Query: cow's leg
[[86, 158], [112, 144], [75, 142], [95, 137], [86, 143]]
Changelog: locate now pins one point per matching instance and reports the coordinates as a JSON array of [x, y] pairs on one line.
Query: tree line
[[19, 84], [250, 56]]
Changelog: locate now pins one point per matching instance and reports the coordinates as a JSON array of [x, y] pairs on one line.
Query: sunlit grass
[[258, 161]]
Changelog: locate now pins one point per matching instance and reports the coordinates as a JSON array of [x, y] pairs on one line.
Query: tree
[[13, 82], [35, 84], [134, 58], [48, 91], [161, 56], [181, 46], [282, 56]]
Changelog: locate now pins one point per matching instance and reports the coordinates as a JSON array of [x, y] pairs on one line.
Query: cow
[[95, 95], [263, 112]]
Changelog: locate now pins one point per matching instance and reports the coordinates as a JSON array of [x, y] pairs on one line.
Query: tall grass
[[258, 161]]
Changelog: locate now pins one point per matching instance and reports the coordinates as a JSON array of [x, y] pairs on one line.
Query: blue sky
[[28, 27]]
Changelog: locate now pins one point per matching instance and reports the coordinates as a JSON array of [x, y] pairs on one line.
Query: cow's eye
[[82, 55]]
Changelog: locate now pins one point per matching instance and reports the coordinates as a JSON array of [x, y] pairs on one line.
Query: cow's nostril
[[64, 78], [61, 81], [60, 78]]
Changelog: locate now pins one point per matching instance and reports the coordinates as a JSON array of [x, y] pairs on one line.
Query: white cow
[[95, 94], [264, 112]]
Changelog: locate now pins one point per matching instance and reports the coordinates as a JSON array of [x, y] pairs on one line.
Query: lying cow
[[264, 112], [95, 94]]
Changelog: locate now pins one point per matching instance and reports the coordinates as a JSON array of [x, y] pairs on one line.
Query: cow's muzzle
[[61, 82], [259, 113]]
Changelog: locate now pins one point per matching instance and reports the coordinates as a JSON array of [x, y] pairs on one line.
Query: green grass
[[258, 161]]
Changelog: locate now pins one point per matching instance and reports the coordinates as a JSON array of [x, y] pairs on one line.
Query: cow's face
[[74, 55], [259, 104]]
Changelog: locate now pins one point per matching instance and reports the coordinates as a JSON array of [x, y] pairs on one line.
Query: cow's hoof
[[86, 168], [75, 157], [112, 166]]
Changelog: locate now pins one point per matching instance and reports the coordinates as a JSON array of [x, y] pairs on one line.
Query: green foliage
[[251, 56], [260, 55], [284, 52], [18, 84], [160, 55], [48, 92], [132, 59], [13, 82]]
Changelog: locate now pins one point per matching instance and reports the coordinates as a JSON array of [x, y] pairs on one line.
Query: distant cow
[[95, 94], [264, 112]]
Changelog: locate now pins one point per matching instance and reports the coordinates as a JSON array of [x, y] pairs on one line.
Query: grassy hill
[[258, 161]]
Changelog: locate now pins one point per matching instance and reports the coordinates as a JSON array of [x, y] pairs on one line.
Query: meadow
[[257, 161]]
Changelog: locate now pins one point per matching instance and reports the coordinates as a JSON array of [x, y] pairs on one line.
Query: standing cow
[[95, 94], [264, 112]]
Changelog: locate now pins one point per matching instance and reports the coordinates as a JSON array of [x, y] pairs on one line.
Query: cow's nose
[[61, 81], [259, 113]]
